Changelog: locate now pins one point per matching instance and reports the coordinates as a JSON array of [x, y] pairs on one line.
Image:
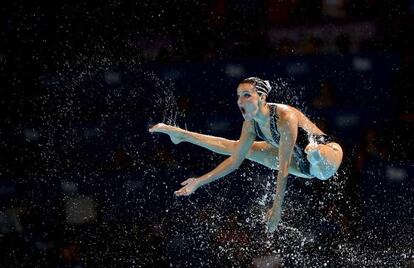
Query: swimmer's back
[[303, 121]]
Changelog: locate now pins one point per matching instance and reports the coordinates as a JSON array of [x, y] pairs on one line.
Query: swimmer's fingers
[[187, 181], [271, 227], [191, 185], [272, 220], [183, 192]]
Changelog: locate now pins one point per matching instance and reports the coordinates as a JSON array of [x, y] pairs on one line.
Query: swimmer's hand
[[272, 219], [191, 185]]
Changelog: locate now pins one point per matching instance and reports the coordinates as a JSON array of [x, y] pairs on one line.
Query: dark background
[[83, 184]]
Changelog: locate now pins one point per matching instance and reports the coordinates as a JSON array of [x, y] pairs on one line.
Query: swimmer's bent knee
[[314, 157], [324, 174]]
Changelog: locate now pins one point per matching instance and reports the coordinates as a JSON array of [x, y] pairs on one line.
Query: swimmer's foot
[[175, 133]]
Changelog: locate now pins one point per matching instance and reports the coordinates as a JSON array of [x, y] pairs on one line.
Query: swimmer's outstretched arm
[[246, 140], [288, 129]]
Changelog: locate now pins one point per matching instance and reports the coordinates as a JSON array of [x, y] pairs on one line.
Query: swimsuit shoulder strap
[[273, 122], [258, 131]]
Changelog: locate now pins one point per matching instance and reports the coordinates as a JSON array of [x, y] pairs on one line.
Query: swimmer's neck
[[262, 115]]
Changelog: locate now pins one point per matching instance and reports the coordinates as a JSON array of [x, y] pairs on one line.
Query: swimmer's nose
[[239, 102]]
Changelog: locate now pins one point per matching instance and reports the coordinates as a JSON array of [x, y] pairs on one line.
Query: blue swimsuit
[[302, 140]]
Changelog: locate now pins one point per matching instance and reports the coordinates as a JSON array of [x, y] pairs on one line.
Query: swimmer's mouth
[[242, 110]]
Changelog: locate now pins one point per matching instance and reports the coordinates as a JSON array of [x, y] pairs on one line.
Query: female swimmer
[[291, 144]]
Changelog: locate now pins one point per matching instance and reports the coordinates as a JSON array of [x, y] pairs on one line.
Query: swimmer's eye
[[245, 95]]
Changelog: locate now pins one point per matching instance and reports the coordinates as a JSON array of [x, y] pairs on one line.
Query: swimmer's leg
[[260, 152], [325, 159]]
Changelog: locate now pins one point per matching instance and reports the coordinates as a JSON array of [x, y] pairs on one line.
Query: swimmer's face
[[248, 100]]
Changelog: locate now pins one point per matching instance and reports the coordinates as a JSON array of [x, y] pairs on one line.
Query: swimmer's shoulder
[[287, 109], [284, 110], [284, 107]]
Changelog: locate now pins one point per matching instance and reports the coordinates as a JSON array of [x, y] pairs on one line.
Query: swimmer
[[291, 144]]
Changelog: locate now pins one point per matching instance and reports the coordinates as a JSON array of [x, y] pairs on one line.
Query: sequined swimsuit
[[302, 140]]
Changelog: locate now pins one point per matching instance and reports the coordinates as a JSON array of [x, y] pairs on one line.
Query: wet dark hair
[[263, 87]]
